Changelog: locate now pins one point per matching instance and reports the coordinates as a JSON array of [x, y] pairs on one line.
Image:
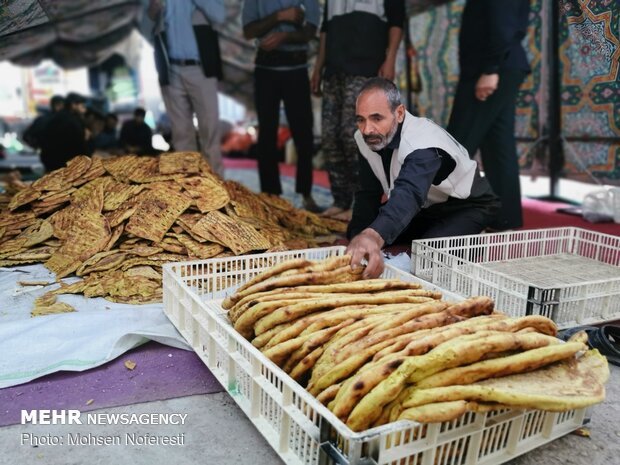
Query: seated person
[[433, 188], [136, 136]]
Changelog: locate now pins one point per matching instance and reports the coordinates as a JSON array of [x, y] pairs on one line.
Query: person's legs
[[331, 144], [498, 152], [298, 108], [343, 166], [202, 92], [462, 222], [456, 217], [180, 111], [348, 126], [267, 88]]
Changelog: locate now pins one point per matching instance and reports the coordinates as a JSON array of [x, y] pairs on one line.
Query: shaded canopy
[[76, 33], [73, 33]]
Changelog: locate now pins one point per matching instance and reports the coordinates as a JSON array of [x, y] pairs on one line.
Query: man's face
[[376, 120], [79, 108]]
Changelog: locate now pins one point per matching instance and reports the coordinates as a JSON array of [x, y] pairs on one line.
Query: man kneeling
[[433, 188]]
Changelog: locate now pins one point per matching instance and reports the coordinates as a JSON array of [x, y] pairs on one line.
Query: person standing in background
[[359, 39], [32, 135], [65, 135], [188, 73], [282, 29], [493, 66]]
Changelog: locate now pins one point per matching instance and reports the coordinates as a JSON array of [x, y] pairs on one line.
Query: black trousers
[[455, 217], [293, 88], [489, 126]]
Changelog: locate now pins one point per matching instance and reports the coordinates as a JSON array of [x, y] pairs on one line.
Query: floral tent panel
[[590, 82], [590, 55]]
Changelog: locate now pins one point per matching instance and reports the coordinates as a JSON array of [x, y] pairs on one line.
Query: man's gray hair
[[388, 87]]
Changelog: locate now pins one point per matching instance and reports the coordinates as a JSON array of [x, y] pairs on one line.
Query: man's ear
[[400, 113]]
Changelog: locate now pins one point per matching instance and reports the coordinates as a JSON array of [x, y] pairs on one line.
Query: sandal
[[606, 339], [333, 211]]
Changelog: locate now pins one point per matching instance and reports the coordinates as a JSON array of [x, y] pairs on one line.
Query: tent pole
[[408, 83], [554, 147]]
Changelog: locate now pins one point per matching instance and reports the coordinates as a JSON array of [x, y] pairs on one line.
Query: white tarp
[[96, 333]]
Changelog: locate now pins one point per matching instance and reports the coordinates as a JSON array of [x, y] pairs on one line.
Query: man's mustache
[[373, 137]]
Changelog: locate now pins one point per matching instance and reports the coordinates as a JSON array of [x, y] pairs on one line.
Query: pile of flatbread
[[115, 221], [381, 350]]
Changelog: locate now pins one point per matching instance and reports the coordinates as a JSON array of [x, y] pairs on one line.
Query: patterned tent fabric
[[590, 93], [73, 33], [590, 56]]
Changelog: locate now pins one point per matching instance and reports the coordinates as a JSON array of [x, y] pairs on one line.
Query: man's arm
[[388, 68], [396, 17], [274, 39], [319, 64], [367, 200], [366, 243], [409, 194], [502, 18], [260, 27], [503, 21], [406, 199]]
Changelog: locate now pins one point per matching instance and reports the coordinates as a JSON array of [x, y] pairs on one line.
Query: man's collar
[[395, 142]]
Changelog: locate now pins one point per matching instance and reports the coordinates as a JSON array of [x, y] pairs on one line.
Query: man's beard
[[377, 141]]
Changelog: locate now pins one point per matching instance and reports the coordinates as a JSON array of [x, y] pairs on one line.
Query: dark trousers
[[293, 88], [489, 126], [455, 217], [337, 127]]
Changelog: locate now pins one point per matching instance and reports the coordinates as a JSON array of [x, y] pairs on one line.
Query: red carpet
[[541, 214], [319, 177], [536, 213]]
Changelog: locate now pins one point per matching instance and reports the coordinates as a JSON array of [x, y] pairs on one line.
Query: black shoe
[[606, 339]]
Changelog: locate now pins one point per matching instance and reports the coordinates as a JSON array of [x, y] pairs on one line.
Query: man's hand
[[315, 82], [367, 244], [486, 85], [388, 69], [272, 40], [293, 14]]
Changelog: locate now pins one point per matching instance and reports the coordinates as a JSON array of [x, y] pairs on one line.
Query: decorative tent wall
[[589, 51]]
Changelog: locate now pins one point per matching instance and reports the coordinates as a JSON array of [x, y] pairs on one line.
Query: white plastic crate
[[570, 275], [294, 423]]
